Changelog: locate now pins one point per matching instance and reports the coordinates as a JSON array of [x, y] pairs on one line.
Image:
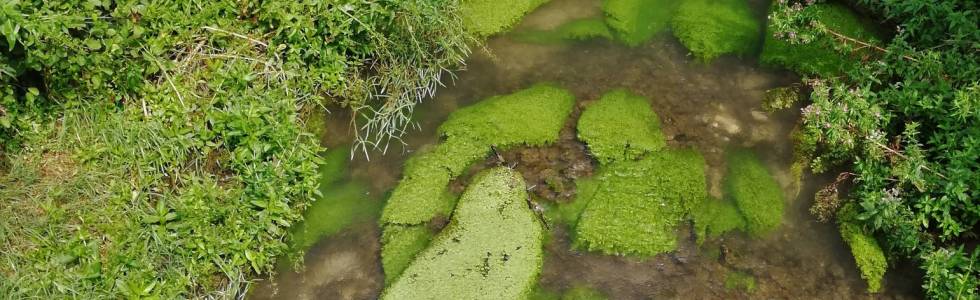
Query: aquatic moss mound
[[636, 21], [582, 292], [576, 30], [401, 244], [490, 250], [488, 17], [740, 280], [533, 116], [757, 195], [714, 218], [818, 57], [710, 28], [639, 204], [620, 126], [867, 254]]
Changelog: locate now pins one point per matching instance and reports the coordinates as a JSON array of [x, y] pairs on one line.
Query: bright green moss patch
[[740, 280], [541, 293], [818, 57], [636, 21], [639, 204], [488, 17], [401, 244], [757, 195], [710, 28], [577, 30], [582, 292], [490, 250], [620, 126], [715, 217], [867, 253], [533, 116]]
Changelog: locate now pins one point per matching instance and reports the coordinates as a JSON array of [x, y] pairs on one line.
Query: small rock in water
[[759, 116], [727, 123]]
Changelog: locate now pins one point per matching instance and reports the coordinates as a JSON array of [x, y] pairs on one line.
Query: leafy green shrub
[[710, 28], [757, 195], [620, 126], [637, 21], [492, 245], [488, 17], [639, 204], [905, 125], [817, 57]]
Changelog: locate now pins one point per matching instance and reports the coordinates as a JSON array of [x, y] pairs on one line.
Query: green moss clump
[[639, 204], [488, 17], [532, 116], [576, 30], [401, 244], [740, 280], [715, 217], [334, 167], [582, 292], [710, 28], [620, 126], [636, 21], [867, 253], [818, 57], [780, 98], [757, 194], [491, 248], [568, 213]]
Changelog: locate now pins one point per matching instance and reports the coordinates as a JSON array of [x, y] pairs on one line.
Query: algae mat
[[490, 250]]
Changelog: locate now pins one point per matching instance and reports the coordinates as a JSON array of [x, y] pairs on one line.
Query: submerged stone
[[637, 21], [867, 254], [488, 17], [755, 192], [710, 28], [639, 204], [532, 116], [620, 126], [818, 57], [491, 249], [740, 280], [576, 30]]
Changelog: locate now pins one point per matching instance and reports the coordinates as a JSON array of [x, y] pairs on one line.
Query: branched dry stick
[[845, 39], [899, 154]]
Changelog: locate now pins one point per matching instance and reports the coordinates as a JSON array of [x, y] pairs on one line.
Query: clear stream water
[[707, 106]]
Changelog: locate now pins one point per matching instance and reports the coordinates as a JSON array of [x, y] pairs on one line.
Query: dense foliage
[[156, 148], [907, 122]]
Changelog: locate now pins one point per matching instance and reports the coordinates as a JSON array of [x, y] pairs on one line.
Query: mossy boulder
[[488, 17], [819, 57], [491, 249], [532, 116], [867, 254], [757, 195], [716, 217], [637, 21], [620, 126], [576, 30], [639, 204], [711, 28], [401, 244]]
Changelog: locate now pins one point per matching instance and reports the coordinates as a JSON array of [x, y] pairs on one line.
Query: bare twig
[[239, 35], [893, 151], [863, 44]]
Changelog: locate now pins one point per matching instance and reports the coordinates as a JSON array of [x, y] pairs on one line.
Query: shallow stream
[[710, 107]]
